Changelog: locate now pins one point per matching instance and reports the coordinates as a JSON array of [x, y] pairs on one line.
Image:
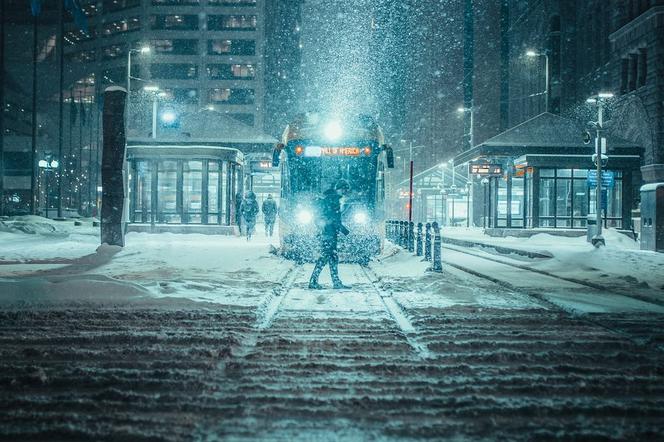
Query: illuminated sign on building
[[486, 169]]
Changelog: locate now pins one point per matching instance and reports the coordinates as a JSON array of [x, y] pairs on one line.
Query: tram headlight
[[304, 216], [333, 130], [360, 217]]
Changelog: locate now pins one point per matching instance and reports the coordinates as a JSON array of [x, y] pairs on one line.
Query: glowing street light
[[531, 53]]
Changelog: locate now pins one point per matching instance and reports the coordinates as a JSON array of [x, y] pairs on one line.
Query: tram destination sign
[[486, 169], [335, 151]]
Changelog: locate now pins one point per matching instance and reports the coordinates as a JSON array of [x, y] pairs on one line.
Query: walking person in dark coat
[[249, 213], [238, 210], [330, 213], [269, 214]]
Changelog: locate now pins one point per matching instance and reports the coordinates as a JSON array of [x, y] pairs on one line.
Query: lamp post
[[47, 164], [600, 153], [545, 54], [485, 182], [156, 94], [142, 50], [471, 111]]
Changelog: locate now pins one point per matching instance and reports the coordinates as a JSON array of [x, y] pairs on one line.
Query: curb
[[500, 249]]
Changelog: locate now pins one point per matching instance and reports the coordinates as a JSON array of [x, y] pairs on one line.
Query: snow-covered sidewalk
[[620, 264], [58, 262]]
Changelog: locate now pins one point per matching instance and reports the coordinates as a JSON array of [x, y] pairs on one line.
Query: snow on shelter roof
[[204, 126], [542, 133]]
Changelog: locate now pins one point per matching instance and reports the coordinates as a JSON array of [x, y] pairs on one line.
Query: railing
[[403, 234]]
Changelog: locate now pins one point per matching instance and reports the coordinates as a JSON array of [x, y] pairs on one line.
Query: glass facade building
[[183, 184]]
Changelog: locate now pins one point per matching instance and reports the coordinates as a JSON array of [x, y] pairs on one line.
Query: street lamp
[[531, 53], [156, 93], [470, 110], [600, 153], [47, 164], [142, 50]]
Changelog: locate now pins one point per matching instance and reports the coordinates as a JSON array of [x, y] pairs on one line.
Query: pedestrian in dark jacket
[[238, 210], [269, 214], [249, 212], [331, 225]]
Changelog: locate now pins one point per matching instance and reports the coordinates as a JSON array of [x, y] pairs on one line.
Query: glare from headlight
[[333, 130], [304, 217], [360, 218]]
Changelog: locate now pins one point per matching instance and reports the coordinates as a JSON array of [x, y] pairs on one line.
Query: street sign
[[486, 169], [608, 179]]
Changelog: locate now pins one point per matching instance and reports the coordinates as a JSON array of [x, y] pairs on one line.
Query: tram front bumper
[[355, 247]]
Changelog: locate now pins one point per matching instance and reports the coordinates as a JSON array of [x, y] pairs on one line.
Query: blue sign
[[608, 179]]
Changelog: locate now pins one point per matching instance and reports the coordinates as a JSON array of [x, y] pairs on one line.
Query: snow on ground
[[59, 262], [619, 264]]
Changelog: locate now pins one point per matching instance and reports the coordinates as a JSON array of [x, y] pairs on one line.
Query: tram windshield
[[319, 174]]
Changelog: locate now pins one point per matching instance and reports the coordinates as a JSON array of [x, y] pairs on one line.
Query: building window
[[182, 95], [624, 75], [175, 47], [226, 22], [231, 96], [232, 2], [113, 51], [121, 26], [175, 71], [231, 71], [81, 56], [119, 5], [231, 47], [565, 200], [174, 2], [643, 67], [175, 21], [247, 119], [78, 36], [633, 71]]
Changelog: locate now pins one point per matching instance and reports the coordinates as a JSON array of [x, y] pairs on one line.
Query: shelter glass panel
[[192, 187], [213, 192], [167, 191], [143, 192], [517, 207]]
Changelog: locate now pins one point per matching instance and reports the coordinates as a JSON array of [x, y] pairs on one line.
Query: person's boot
[[313, 281], [334, 272]]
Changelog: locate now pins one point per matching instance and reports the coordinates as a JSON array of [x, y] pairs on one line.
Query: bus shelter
[[440, 193], [184, 176], [183, 184], [540, 174]]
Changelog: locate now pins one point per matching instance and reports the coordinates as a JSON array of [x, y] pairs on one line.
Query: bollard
[[427, 243], [419, 240], [437, 258], [402, 234], [411, 237], [388, 230]]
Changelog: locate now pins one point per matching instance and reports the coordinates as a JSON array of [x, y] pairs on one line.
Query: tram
[[314, 154]]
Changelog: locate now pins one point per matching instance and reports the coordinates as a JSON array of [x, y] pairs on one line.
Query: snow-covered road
[[181, 337]]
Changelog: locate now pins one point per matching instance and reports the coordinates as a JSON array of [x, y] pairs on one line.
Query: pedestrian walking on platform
[[269, 214], [249, 212]]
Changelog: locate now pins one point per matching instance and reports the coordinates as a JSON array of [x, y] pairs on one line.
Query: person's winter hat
[[342, 184]]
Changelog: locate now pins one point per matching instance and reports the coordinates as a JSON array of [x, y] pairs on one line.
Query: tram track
[[594, 319]]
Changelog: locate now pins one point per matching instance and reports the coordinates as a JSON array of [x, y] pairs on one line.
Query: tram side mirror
[[276, 154], [389, 155]]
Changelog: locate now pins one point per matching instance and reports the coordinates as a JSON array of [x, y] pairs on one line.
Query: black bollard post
[[400, 233], [437, 258], [411, 237], [404, 234], [418, 249], [388, 230], [427, 243]]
